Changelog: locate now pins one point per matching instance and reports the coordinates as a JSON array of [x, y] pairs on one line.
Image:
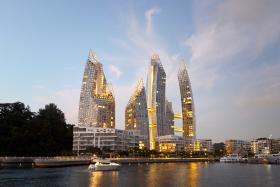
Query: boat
[[103, 165], [274, 158], [231, 158]]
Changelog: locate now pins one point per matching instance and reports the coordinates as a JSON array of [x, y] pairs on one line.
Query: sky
[[231, 48]]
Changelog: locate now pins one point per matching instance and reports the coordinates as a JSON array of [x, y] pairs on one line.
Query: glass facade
[[97, 103], [169, 119], [156, 84], [188, 112], [136, 114]]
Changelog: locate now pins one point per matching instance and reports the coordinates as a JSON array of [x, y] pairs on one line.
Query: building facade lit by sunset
[[187, 103], [97, 103], [156, 84], [136, 114]]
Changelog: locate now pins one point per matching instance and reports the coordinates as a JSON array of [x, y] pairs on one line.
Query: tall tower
[[188, 112], [97, 103], [136, 114], [156, 84]]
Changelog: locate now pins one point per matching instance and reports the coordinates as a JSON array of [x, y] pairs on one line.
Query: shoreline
[[46, 162]]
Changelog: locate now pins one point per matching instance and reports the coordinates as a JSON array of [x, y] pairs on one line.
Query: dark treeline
[[25, 133]]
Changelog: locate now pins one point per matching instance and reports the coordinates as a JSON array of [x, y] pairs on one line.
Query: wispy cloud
[[149, 15], [230, 39], [141, 41], [236, 32], [115, 70]]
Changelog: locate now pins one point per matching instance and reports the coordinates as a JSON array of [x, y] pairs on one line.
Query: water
[[148, 175]]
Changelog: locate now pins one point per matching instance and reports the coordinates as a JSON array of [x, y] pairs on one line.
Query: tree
[[54, 135], [219, 149], [94, 150], [15, 120], [24, 133]]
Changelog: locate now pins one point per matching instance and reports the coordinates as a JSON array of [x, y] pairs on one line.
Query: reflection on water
[[98, 178], [193, 174], [150, 175], [169, 174]]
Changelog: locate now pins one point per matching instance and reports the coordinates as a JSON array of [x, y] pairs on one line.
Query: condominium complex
[[188, 112], [97, 103], [200, 145], [265, 146], [149, 116], [170, 143], [237, 146], [156, 84], [103, 138], [136, 113]]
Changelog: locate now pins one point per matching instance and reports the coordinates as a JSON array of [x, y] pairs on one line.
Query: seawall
[[158, 160], [45, 162]]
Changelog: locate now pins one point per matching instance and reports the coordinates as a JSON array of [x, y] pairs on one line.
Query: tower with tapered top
[[97, 103], [156, 84], [136, 114], [187, 102]]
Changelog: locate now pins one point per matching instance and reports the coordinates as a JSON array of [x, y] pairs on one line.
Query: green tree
[[24, 133], [15, 120], [53, 134]]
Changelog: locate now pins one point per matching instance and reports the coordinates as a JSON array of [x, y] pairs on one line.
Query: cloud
[[140, 43], [115, 71], [233, 60], [236, 32], [39, 87], [149, 15]]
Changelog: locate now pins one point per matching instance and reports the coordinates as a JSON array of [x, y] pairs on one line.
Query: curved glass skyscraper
[[188, 112], [136, 114], [156, 84], [97, 103]]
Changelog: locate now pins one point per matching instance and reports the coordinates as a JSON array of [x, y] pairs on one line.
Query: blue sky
[[231, 49]]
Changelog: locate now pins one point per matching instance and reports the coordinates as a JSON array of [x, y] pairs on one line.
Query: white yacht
[[231, 158], [274, 158], [103, 165]]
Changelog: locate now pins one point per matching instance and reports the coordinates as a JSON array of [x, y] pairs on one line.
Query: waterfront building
[[169, 119], [274, 146], [265, 146], [199, 145], [204, 145], [170, 143], [260, 146], [103, 138], [236, 146], [136, 114], [187, 102], [97, 103], [156, 84]]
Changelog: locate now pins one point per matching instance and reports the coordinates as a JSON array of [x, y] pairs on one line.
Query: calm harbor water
[[148, 175]]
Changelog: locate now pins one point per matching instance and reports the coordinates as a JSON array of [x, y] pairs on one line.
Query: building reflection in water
[[173, 174], [193, 174], [98, 178], [152, 175]]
